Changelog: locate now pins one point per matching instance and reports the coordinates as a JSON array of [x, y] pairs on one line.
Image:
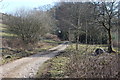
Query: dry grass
[[81, 64], [15, 51], [53, 68], [84, 65]]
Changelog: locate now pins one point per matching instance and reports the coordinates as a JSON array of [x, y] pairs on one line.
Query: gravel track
[[27, 67]]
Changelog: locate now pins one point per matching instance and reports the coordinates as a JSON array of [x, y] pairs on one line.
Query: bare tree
[[74, 15], [29, 25], [106, 13]]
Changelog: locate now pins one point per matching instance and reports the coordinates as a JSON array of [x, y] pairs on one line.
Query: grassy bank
[[81, 64], [12, 46], [54, 68], [11, 54], [4, 32]]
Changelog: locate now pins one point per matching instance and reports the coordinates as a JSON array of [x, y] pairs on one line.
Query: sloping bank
[[81, 64]]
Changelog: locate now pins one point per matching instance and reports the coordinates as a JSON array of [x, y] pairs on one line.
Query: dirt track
[[28, 66]]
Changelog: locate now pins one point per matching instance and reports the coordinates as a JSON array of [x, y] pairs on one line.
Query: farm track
[[27, 67]]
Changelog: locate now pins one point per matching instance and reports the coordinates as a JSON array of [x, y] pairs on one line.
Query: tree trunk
[[86, 33], [77, 40], [110, 41], [77, 43]]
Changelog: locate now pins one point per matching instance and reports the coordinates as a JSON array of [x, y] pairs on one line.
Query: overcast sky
[[8, 6]]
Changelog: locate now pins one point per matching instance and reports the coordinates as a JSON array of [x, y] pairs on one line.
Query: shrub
[[29, 25], [86, 66], [51, 36]]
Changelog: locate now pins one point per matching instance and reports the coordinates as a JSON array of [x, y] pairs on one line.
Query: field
[[4, 32]]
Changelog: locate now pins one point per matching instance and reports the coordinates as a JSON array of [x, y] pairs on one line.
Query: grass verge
[[54, 68], [11, 54], [80, 64]]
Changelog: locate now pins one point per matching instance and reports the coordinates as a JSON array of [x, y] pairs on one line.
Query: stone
[[7, 56], [99, 51]]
